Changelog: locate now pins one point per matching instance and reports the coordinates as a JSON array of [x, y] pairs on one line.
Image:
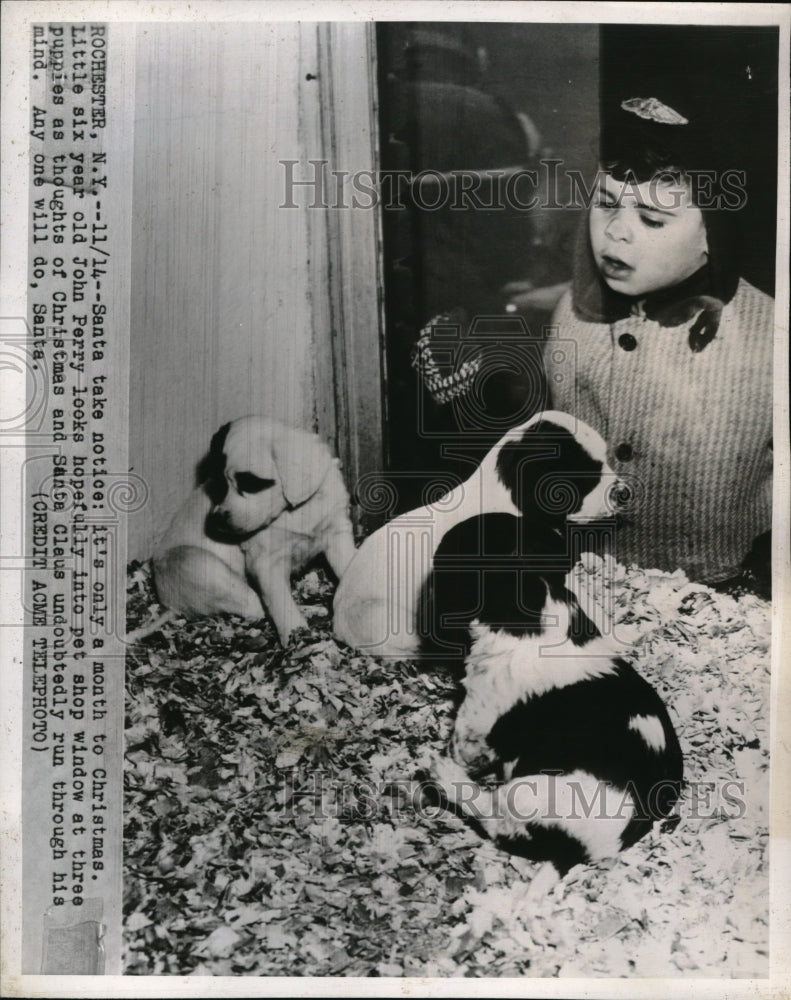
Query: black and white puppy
[[553, 462], [583, 746]]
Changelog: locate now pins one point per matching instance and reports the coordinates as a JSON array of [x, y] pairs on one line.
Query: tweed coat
[[690, 430]]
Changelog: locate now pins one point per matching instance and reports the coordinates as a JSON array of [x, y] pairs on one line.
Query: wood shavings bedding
[[273, 825]]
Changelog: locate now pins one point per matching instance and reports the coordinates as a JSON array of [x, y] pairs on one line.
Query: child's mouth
[[614, 267]]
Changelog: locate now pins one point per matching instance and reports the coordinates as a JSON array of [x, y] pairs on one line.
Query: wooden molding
[[339, 118]]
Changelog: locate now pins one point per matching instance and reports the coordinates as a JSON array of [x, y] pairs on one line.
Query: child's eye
[[652, 222]]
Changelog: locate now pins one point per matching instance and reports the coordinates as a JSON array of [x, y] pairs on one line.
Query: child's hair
[[640, 149]]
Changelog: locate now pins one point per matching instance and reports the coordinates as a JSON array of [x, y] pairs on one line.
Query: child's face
[[646, 236]]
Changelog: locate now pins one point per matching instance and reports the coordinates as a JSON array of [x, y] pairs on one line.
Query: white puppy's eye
[[248, 482]]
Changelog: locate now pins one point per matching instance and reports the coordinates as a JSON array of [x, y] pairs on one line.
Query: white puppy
[[271, 498], [552, 459]]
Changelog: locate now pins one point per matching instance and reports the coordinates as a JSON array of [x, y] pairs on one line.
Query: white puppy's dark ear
[[548, 472], [302, 461], [211, 469]]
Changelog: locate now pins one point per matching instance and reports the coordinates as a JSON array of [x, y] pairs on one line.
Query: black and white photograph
[[396, 499]]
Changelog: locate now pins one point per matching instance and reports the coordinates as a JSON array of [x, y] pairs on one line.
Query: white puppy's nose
[[219, 517]]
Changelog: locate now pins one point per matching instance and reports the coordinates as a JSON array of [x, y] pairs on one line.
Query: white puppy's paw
[[449, 776], [461, 791], [300, 637]]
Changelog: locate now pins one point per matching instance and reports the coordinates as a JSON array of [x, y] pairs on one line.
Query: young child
[[664, 349]]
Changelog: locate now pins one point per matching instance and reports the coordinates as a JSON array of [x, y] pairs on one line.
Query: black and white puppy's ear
[[302, 461], [211, 469], [482, 572], [549, 472]]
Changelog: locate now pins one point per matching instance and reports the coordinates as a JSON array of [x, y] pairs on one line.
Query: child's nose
[[618, 227]]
